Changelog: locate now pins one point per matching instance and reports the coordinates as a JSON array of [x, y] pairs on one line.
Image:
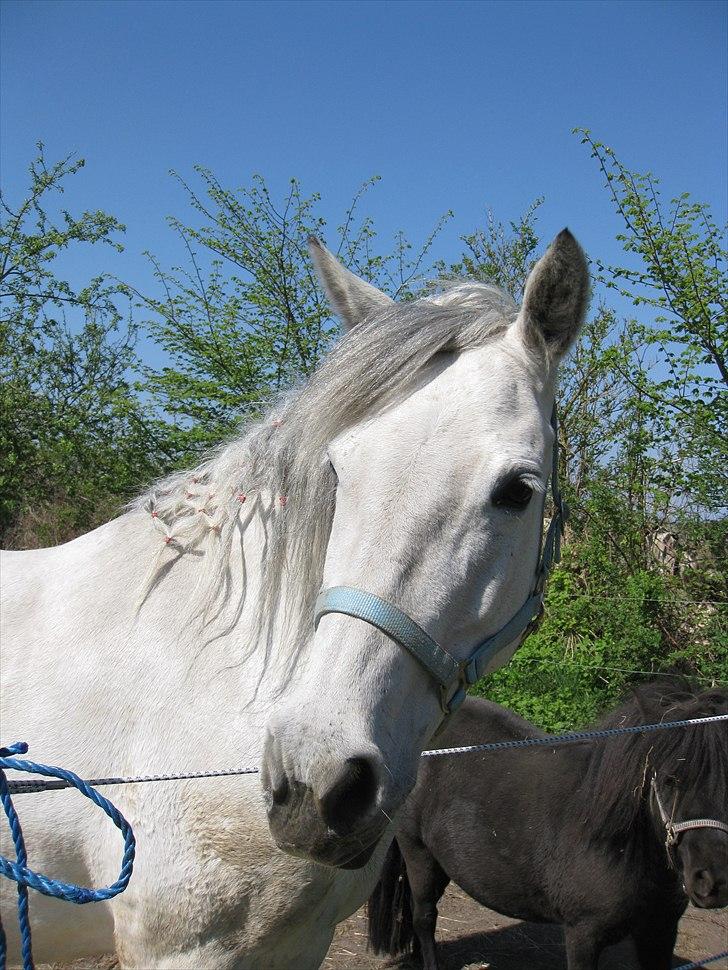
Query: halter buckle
[[450, 702], [535, 622]]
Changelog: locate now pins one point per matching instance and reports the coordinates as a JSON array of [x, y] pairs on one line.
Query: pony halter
[[674, 830], [455, 676]]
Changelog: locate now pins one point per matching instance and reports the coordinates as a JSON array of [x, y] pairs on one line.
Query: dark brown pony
[[572, 834]]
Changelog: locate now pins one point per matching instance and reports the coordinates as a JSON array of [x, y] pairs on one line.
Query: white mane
[[278, 467]]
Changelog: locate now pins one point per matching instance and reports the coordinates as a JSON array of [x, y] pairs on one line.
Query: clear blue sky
[[456, 105]]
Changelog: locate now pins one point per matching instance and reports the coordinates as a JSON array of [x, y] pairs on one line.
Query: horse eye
[[514, 493], [332, 469]]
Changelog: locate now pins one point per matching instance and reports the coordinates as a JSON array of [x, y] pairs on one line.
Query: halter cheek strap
[[455, 676], [675, 829]]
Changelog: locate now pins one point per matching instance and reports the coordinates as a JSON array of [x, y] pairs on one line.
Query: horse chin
[[360, 859], [333, 856]]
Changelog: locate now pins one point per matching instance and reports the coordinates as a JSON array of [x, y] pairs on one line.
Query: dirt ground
[[471, 937]]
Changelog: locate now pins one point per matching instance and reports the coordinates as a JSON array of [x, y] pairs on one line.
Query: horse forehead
[[483, 393], [486, 397]]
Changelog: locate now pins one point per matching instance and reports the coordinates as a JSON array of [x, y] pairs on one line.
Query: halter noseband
[[455, 676], [673, 829]]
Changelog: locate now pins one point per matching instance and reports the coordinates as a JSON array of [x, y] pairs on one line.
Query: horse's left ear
[[352, 298], [556, 296]]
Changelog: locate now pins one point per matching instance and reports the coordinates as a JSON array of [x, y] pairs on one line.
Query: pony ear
[[352, 298], [556, 296]]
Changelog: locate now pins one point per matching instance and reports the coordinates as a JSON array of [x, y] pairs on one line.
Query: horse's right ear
[[556, 297], [352, 298]]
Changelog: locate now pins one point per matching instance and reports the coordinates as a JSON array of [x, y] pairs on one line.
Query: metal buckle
[[451, 703]]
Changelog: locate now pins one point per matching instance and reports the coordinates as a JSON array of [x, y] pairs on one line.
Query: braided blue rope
[[19, 872], [21, 857]]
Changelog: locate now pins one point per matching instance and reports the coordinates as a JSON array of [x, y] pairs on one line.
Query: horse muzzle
[[707, 889], [338, 819]]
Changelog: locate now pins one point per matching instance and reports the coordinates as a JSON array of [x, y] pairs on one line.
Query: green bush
[[606, 628]]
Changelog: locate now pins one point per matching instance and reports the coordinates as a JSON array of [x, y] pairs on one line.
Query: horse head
[[439, 491], [689, 797]]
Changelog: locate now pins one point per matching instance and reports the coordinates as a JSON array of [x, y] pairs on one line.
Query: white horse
[[179, 637]]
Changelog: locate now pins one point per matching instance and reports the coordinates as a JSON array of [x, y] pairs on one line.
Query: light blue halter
[[455, 676]]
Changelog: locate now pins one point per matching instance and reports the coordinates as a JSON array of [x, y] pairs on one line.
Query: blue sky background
[[456, 105]]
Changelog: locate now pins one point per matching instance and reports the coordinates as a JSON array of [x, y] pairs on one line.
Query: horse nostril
[[280, 791], [350, 796], [703, 883], [273, 777]]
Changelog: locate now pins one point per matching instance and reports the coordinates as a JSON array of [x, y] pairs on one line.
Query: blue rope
[[22, 860], [19, 872]]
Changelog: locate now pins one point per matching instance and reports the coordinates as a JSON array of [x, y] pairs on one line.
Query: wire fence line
[[567, 662], [664, 600], [23, 787], [672, 600]]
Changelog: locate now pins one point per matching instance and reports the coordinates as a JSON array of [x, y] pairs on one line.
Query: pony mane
[[278, 469], [620, 769]]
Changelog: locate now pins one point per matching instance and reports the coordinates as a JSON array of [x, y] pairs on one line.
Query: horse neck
[[163, 610], [640, 840], [214, 676]]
